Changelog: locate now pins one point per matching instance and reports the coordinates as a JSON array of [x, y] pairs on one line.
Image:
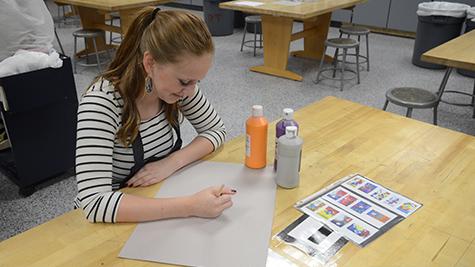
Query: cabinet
[[402, 15], [372, 13], [390, 14]]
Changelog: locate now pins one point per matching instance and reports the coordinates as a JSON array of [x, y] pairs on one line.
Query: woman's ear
[[148, 62]]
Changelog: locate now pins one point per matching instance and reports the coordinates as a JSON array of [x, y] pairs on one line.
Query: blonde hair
[[168, 35]]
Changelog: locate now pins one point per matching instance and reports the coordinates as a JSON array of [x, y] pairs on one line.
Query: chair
[[353, 30], [89, 34], [344, 44], [416, 98], [39, 114], [256, 21]]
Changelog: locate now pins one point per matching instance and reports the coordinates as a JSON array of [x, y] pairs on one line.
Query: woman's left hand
[[153, 173]]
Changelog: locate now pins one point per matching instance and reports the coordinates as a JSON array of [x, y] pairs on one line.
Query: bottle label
[[248, 145]]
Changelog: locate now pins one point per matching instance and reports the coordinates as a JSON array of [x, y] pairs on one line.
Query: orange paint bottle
[[256, 139]]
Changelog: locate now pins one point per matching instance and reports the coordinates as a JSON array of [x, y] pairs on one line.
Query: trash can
[[469, 25], [238, 19], [438, 23], [220, 21]]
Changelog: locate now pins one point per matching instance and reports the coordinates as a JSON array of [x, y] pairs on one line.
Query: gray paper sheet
[[239, 237]]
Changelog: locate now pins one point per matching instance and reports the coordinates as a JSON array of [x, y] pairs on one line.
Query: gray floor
[[233, 89]]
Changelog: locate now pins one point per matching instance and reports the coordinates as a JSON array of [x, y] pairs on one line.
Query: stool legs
[[435, 115], [473, 100], [255, 36], [358, 63], [244, 35], [97, 55], [75, 53], [321, 65], [342, 70], [409, 112], [335, 62], [386, 104], [367, 52]]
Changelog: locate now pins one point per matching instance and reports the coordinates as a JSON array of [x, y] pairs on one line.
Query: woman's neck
[[148, 105]]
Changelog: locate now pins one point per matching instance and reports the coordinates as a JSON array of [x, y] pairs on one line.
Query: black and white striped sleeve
[[204, 118], [98, 120]]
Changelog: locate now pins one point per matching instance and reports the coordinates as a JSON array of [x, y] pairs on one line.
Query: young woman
[[128, 122]]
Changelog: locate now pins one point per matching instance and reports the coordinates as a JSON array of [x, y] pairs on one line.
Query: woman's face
[[173, 81]]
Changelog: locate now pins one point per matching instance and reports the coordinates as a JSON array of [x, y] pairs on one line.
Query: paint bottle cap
[[257, 111], [288, 113], [290, 131]]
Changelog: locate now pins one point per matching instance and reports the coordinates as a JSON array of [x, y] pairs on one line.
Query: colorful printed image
[[341, 220], [337, 194], [368, 187], [407, 207], [356, 182], [360, 207], [380, 194], [358, 230], [393, 201], [315, 205], [348, 200], [378, 216], [328, 212]]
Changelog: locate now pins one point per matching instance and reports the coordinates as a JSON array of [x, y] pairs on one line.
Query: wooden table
[[456, 53], [277, 22], [93, 12], [430, 164]]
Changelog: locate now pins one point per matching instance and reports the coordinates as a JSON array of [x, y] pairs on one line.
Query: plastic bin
[[39, 110], [438, 23], [220, 21], [469, 25]]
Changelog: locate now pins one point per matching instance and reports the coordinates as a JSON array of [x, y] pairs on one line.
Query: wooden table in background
[[277, 22], [93, 12], [429, 164], [456, 53]]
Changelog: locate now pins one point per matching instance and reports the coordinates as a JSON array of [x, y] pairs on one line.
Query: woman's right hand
[[211, 202]]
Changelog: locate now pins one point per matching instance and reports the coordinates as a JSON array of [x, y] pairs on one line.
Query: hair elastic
[[154, 13]]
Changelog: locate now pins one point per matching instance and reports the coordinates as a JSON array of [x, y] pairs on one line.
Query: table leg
[[315, 34], [90, 18], [277, 34], [127, 17]]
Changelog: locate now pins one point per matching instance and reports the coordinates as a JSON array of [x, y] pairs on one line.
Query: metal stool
[[89, 34], [411, 98], [114, 16], [345, 44], [358, 31], [256, 21]]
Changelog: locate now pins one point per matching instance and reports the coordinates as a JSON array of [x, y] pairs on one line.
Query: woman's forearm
[[194, 151], [140, 209]]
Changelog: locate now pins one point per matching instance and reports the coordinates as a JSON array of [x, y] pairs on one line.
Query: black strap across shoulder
[[137, 147]]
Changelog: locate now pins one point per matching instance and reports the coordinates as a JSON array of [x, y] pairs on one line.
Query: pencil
[[220, 192]]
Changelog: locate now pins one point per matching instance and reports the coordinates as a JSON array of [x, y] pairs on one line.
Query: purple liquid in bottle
[[288, 120]]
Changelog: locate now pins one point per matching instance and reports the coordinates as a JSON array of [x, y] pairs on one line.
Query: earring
[[148, 85]]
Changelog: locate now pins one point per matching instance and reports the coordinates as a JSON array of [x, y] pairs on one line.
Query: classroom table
[[93, 13], [456, 53], [427, 163], [277, 22]]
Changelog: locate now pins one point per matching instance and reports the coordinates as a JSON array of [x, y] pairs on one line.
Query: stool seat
[[253, 19], [342, 42], [88, 33], [412, 97], [114, 15], [91, 34], [256, 21], [354, 30]]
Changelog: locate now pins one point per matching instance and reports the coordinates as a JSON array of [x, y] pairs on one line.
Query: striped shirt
[[102, 162]]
